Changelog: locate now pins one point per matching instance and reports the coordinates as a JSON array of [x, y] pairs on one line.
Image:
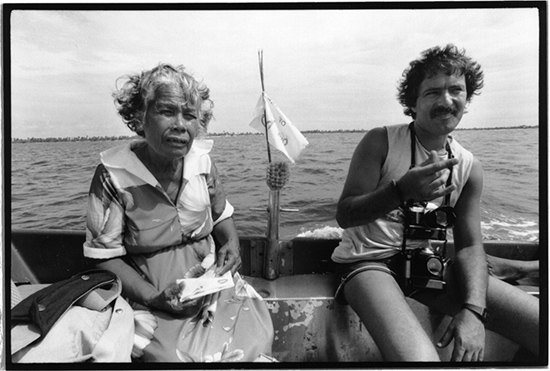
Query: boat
[[296, 278]]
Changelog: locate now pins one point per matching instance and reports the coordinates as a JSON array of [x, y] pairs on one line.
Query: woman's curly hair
[[135, 94], [449, 60]]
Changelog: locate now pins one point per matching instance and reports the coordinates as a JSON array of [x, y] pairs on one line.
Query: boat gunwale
[[300, 255]]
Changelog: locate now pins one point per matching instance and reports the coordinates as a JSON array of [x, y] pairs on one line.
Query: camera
[[424, 267], [422, 221]]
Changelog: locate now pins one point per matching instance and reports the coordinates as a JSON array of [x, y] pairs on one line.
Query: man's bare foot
[[512, 270]]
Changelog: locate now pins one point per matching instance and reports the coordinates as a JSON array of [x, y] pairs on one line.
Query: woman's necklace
[[173, 185]]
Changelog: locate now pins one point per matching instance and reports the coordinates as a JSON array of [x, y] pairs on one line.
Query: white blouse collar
[[122, 157]]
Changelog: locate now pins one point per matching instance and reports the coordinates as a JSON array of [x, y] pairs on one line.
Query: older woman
[[157, 213]]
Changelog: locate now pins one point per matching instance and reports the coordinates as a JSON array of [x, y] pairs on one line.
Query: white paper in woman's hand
[[206, 284]]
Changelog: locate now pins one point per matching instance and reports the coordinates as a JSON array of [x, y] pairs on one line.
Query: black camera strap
[[447, 201], [409, 282]]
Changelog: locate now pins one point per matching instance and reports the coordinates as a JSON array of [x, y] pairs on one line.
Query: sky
[[326, 69]]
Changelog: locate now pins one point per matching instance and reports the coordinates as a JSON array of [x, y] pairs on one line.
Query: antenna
[[261, 61]]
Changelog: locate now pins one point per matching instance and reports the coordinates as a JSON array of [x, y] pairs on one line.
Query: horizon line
[[225, 133]]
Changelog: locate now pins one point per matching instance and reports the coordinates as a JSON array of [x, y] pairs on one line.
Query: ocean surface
[[50, 182]]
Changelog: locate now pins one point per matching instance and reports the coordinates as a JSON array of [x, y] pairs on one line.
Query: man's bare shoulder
[[375, 141]]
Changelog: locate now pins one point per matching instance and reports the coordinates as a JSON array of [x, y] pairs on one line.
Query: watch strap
[[477, 310]]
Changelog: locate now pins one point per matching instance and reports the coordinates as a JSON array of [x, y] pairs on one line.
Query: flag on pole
[[281, 133]]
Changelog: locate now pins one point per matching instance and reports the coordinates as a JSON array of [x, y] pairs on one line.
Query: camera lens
[[434, 266], [441, 217]]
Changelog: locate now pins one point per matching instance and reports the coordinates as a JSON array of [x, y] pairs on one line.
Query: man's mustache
[[442, 111]]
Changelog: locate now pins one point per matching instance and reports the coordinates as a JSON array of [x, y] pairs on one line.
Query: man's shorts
[[347, 271]]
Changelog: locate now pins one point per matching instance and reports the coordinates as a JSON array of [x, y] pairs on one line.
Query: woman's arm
[[139, 290], [134, 286], [229, 253], [224, 231]]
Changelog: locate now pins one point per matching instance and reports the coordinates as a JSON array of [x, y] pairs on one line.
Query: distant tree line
[[73, 139], [502, 128], [127, 137]]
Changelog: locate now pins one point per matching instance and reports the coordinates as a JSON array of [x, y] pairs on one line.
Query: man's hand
[[469, 335], [427, 181], [229, 258]]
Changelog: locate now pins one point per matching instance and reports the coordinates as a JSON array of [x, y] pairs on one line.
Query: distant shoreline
[[224, 134]]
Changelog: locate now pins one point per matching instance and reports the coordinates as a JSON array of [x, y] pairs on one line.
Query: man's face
[[440, 104]]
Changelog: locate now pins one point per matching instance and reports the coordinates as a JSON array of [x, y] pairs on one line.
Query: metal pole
[[272, 250]]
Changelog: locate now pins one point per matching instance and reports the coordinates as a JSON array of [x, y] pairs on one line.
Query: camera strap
[[447, 200], [417, 274]]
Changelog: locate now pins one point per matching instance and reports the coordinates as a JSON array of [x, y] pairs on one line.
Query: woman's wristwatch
[[480, 312]]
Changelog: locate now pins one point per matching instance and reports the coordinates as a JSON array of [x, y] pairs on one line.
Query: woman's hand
[[169, 301], [229, 258]]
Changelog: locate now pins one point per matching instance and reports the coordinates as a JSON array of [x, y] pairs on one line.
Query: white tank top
[[383, 237]]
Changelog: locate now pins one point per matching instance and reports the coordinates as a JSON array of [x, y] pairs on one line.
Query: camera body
[[425, 267], [425, 223]]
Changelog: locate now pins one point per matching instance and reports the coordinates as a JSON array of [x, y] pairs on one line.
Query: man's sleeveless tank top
[[383, 237]]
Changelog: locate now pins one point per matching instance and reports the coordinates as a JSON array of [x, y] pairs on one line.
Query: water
[[50, 182]]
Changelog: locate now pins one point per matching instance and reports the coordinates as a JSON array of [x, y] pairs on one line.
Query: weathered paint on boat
[[309, 325]]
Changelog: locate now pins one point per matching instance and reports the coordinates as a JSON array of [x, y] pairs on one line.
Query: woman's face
[[169, 125]]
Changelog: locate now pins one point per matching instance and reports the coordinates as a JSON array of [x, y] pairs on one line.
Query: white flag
[[281, 133]]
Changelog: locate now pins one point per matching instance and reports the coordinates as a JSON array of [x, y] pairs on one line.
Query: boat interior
[[297, 280]]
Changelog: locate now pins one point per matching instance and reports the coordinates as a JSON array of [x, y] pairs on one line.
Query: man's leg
[[512, 312], [381, 305]]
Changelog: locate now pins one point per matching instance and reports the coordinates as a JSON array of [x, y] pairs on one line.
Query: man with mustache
[[407, 184]]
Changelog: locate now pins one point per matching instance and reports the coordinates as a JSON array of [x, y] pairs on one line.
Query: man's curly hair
[[449, 60], [138, 90]]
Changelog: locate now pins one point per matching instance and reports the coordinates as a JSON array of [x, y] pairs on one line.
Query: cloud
[[327, 69]]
